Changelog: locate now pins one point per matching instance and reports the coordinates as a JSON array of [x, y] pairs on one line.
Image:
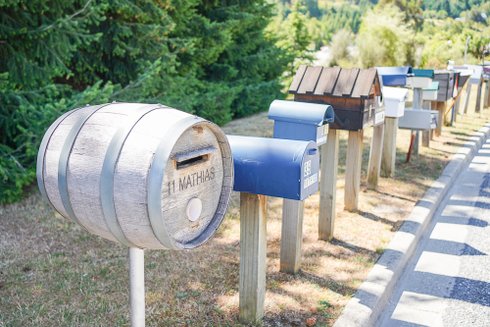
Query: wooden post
[[328, 185], [375, 153], [252, 256], [440, 119], [478, 95], [426, 134], [389, 147], [291, 235], [353, 170], [456, 106], [467, 98], [418, 100], [487, 90]]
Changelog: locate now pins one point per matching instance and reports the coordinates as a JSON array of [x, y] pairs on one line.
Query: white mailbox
[[430, 93], [394, 101], [418, 119]]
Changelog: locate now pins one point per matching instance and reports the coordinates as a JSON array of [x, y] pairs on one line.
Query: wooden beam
[[252, 257], [375, 154], [291, 235], [353, 170], [328, 185]]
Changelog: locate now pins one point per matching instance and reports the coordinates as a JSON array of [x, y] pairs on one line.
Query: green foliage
[[207, 57], [384, 38]]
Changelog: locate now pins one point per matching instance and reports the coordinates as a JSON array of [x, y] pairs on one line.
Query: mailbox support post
[[137, 286], [426, 134], [375, 152], [353, 170], [291, 236], [486, 98], [468, 94], [329, 156], [478, 95], [418, 101], [253, 246], [389, 147]]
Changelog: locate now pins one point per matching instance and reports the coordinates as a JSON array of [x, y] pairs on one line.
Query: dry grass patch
[[52, 273]]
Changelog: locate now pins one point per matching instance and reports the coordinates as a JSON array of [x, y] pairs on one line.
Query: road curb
[[370, 299]]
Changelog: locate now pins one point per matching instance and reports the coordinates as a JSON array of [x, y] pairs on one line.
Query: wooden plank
[[375, 153], [364, 83], [389, 147], [252, 257], [293, 88], [344, 83], [351, 82], [327, 80], [353, 170], [309, 80], [328, 185], [291, 236]]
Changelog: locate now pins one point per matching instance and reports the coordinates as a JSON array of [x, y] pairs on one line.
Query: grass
[[53, 273]]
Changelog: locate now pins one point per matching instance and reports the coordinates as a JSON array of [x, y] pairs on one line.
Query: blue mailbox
[[294, 120], [394, 76], [275, 167]]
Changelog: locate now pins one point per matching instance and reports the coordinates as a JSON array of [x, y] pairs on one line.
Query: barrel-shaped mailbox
[[304, 121], [143, 175], [275, 167]]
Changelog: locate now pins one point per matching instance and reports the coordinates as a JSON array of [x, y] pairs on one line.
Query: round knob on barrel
[[194, 209]]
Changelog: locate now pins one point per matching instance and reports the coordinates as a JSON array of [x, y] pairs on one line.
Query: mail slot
[[421, 78], [275, 167], [418, 119], [394, 76], [430, 93], [394, 101], [301, 120], [143, 175]]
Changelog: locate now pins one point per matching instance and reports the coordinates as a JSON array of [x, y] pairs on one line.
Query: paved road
[[447, 283]]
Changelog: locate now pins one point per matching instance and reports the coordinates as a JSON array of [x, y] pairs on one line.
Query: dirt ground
[[53, 273]]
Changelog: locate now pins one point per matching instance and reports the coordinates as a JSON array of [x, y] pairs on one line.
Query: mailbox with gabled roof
[[353, 93]]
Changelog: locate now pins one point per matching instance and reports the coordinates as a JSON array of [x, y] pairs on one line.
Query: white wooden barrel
[[144, 175]]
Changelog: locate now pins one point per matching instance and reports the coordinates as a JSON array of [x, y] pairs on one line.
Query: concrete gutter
[[372, 296]]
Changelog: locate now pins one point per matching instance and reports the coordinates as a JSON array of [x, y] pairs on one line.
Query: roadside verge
[[370, 299]]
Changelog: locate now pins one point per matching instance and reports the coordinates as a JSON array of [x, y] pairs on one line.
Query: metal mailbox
[[421, 78], [394, 76], [353, 93], [430, 93], [418, 119], [301, 120], [275, 167], [394, 101], [447, 83]]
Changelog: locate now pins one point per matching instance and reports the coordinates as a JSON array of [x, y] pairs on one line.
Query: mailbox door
[[309, 172]]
